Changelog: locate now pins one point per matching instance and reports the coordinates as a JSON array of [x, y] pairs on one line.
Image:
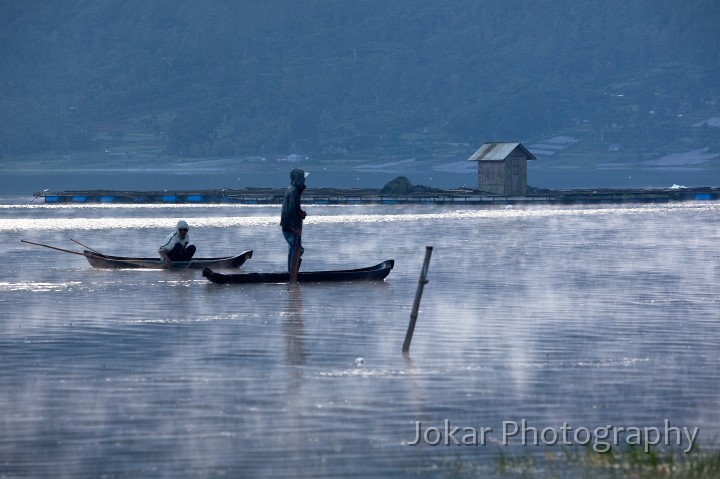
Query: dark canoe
[[374, 273], [98, 260]]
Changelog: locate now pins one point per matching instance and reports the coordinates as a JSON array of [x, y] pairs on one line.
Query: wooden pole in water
[[416, 305]]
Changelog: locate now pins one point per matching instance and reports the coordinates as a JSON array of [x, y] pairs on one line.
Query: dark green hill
[[375, 77]]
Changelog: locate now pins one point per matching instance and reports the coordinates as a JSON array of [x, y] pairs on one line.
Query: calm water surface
[[589, 316]]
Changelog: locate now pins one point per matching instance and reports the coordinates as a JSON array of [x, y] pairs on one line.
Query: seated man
[[176, 246]]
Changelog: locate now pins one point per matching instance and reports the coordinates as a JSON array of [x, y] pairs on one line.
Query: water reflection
[[593, 316], [105, 217], [293, 328]]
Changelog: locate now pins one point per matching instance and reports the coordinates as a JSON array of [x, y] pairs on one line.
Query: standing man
[[176, 247], [291, 216]]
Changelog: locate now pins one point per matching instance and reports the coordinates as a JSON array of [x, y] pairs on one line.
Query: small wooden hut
[[502, 168]]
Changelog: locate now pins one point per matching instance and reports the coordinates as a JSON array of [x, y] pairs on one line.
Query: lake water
[[574, 318]]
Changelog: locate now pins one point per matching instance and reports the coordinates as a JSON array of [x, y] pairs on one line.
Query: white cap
[[182, 225]]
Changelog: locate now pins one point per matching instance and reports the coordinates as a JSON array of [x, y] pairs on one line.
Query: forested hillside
[[332, 77]]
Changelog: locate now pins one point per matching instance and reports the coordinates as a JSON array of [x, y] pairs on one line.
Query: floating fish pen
[[260, 196]]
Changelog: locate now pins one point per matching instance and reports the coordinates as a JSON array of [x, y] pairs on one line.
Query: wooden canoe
[[373, 273], [98, 260]]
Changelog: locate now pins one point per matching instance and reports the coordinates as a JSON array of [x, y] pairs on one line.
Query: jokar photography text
[[602, 438]]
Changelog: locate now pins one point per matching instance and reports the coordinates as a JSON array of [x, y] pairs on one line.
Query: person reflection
[[295, 432], [293, 329]]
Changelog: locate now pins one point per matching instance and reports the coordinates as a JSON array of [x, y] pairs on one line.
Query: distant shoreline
[[348, 196]]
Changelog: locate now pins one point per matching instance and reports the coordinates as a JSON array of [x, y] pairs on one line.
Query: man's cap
[[182, 225]]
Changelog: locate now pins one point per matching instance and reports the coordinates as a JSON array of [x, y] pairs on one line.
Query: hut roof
[[499, 151]]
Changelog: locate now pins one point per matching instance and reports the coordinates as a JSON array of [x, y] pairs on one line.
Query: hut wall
[[491, 177], [515, 175]]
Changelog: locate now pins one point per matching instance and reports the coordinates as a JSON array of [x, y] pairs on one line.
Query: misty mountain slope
[[208, 78]]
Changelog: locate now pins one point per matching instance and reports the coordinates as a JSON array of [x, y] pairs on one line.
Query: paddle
[[78, 253], [296, 258], [127, 260], [86, 246], [53, 247]]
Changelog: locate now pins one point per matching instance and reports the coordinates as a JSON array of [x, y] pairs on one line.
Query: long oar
[[54, 247], [86, 246], [126, 260]]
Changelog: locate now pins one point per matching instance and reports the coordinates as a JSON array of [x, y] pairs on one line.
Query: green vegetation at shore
[[584, 463]]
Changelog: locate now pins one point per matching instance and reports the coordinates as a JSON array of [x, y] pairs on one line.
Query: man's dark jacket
[[290, 216]]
